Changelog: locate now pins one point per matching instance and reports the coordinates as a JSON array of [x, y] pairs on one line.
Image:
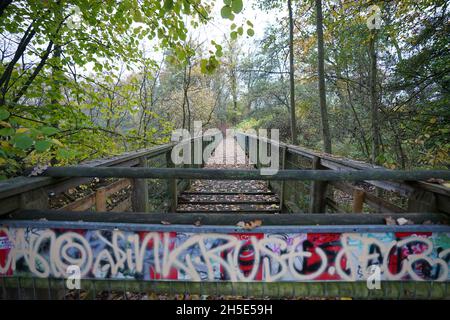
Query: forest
[[85, 79]]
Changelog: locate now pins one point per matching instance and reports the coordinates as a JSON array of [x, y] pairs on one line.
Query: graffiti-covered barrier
[[187, 253]]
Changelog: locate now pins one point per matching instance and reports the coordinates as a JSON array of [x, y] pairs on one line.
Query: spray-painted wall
[[265, 256]]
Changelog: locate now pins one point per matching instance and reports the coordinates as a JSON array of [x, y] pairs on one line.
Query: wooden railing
[[35, 192], [417, 194], [123, 242]]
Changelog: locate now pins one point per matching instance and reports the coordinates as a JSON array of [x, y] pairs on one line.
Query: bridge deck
[[229, 195]]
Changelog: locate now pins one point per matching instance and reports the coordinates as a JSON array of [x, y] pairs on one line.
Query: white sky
[[219, 28]]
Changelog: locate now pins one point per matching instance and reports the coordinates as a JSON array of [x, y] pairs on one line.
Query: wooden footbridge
[[320, 226]]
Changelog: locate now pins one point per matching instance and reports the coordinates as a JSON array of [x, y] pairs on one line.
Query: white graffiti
[[202, 257]]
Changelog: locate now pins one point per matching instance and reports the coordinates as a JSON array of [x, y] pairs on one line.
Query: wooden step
[[218, 202]]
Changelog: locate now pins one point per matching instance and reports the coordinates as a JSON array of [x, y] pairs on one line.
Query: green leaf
[[227, 2], [5, 132], [64, 153], [226, 12], [237, 6], [203, 65], [250, 32], [4, 114], [42, 145], [48, 131], [22, 141], [233, 35], [168, 4], [240, 30]]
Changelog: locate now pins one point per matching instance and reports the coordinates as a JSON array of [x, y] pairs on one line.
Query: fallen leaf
[[403, 221], [390, 221], [249, 225], [241, 224]]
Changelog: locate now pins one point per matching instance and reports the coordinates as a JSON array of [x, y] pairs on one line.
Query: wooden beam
[[227, 202], [283, 183], [358, 200], [226, 193], [211, 218], [100, 199], [82, 204], [34, 199], [317, 201], [227, 211], [139, 196], [172, 184], [244, 174]]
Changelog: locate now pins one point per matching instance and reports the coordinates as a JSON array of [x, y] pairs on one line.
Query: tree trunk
[[374, 98], [321, 73], [291, 75]]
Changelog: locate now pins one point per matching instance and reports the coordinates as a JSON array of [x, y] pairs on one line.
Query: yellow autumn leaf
[[22, 130], [57, 142]]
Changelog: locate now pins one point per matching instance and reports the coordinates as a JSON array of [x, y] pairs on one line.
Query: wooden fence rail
[[419, 194]]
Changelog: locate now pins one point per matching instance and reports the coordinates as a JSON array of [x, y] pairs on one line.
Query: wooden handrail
[[242, 174]]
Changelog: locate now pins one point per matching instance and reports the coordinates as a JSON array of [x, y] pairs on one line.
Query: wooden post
[[172, 193], [257, 153], [358, 200], [318, 190], [100, 200], [282, 182], [139, 197]]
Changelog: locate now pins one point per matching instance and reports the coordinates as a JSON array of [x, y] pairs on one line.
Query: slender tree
[[374, 97], [291, 75], [321, 73]]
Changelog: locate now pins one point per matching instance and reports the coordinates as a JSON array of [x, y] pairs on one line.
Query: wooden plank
[[85, 203], [100, 199], [172, 185], [34, 199], [122, 206], [245, 174], [358, 200], [227, 202], [139, 197], [9, 204], [117, 186], [283, 183], [212, 218], [318, 190], [243, 211], [226, 193]]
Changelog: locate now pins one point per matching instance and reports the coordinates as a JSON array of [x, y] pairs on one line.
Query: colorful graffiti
[[235, 256]]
